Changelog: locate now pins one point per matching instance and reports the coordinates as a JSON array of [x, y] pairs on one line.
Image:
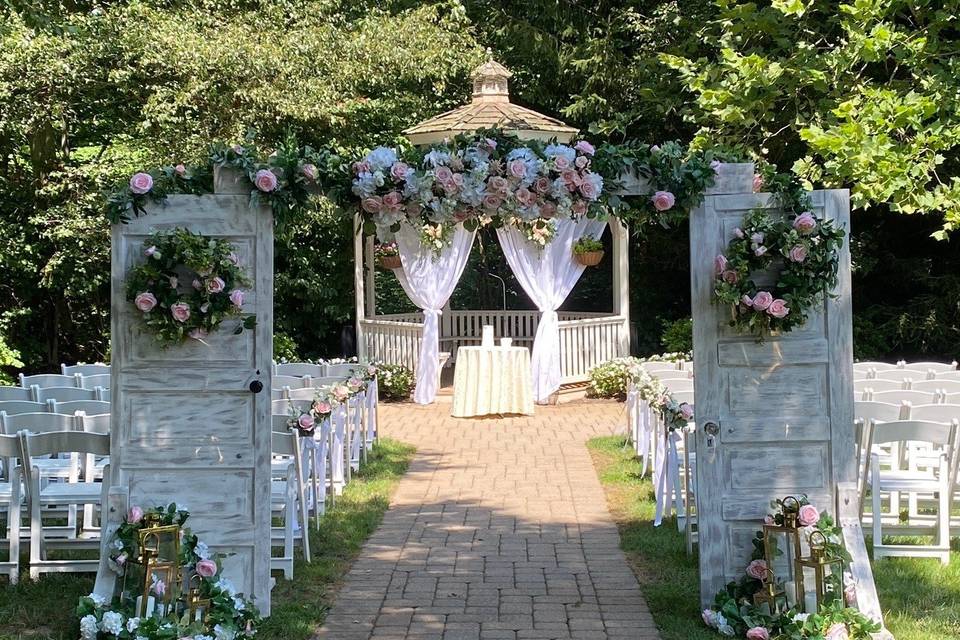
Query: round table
[[492, 380]]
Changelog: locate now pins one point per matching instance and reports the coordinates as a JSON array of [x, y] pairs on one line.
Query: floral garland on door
[[802, 248], [187, 286]]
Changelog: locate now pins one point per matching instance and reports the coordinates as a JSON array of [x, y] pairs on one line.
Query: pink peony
[[548, 210], [180, 311], [663, 200], [498, 184], [322, 407], [265, 180], [206, 568], [798, 253], [589, 190], [135, 514], [180, 170], [372, 204], [141, 183], [837, 631], [758, 633], [145, 301], [585, 147], [517, 168], [808, 516], [443, 174], [310, 172], [305, 422], [778, 308], [215, 285], [236, 298], [805, 223], [720, 264], [762, 300], [757, 183], [541, 184], [730, 277], [757, 569], [561, 163], [492, 201]]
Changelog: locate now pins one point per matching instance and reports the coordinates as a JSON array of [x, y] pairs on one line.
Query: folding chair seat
[[94, 369], [288, 501], [40, 496]]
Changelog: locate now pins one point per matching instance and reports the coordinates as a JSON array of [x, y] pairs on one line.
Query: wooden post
[[621, 282], [371, 285], [359, 298]]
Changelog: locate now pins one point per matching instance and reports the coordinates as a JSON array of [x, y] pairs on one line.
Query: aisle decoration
[[673, 414], [187, 285], [804, 252], [744, 608], [170, 586]]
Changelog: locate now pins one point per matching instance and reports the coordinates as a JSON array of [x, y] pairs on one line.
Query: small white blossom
[[88, 627], [112, 623], [381, 158], [132, 624], [202, 551], [98, 599]]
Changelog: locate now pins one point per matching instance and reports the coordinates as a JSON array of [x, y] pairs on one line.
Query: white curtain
[[429, 281], [547, 274]]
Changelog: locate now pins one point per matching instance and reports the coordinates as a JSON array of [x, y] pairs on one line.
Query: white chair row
[[915, 396], [90, 407], [907, 384], [78, 380], [37, 393], [903, 364]]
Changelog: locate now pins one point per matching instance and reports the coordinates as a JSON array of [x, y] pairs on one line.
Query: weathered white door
[[188, 425], [774, 418]]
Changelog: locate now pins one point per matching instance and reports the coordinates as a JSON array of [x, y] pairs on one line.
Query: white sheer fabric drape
[[429, 281], [547, 274]]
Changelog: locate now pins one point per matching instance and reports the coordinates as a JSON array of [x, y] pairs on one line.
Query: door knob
[[256, 386], [711, 429]]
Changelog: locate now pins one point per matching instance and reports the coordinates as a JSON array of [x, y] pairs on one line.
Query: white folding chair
[[63, 394], [287, 499], [304, 393], [942, 386], [44, 380], [875, 384], [896, 397], [865, 415], [39, 497], [950, 398], [655, 367], [300, 369], [13, 407], [678, 385], [294, 382], [948, 375], [94, 381], [16, 393], [372, 408], [89, 407], [870, 368], [341, 370], [11, 498], [935, 366], [904, 375], [671, 374], [942, 438], [94, 369]]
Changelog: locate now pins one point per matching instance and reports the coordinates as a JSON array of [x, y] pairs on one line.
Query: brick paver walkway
[[498, 531]]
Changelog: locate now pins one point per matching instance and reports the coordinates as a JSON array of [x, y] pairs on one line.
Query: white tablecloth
[[490, 380]]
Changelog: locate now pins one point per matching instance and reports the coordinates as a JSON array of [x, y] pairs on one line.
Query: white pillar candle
[[810, 602], [487, 336], [791, 591], [151, 603]]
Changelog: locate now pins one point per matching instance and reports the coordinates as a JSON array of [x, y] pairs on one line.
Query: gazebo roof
[[490, 108]]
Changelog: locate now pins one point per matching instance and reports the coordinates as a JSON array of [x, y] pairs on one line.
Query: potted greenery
[[388, 255], [588, 251]]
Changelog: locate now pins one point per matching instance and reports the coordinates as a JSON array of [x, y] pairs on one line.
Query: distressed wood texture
[[186, 427], [784, 405]]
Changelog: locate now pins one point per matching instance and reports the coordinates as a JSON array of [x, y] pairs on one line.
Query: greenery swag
[[187, 286]]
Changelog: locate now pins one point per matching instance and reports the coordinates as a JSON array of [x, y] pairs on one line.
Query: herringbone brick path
[[498, 531]]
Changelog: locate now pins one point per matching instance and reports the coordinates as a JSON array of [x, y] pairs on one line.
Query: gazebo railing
[[392, 341], [587, 342]]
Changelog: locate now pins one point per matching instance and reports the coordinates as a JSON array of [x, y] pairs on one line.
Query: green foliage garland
[[175, 308]]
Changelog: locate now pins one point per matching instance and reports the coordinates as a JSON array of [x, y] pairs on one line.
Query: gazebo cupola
[[490, 108]]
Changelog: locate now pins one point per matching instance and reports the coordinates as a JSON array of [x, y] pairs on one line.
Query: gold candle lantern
[[158, 564], [771, 596], [788, 532], [826, 570], [197, 607]]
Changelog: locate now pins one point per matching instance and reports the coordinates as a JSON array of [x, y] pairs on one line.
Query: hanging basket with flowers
[[388, 255], [588, 251]]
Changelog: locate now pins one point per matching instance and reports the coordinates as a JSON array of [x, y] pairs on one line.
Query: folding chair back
[[913, 397], [671, 374], [63, 394], [285, 406], [16, 393], [653, 367], [683, 396], [341, 370], [85, 369], [934, 366], [935, 412], [878, 411], [946, 386], [308, 393], [41, 422], [92, 382], [875, 384], [44, 380], [902, 375], [99, 423], [326, 381], [13, 407], [89, 407], [677, 385], [300, 369], [294, 382]]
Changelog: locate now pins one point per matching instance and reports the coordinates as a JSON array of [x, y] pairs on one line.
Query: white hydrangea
[[133, 624], [381, 158], [366, 183], [226, 586], [554, 150], [98, 599], [112, 623], [222, 633], [89, 627], [435, 158], [238, 603], [596, 179], [202, 551]]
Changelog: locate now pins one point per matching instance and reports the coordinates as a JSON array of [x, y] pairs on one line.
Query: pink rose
[[584, 147], [746, 300], [561, 163], [572, 178], [498, 184], [778, 308], [305, 422], [206, 568], [655, 148], [449, 187], [808, 516], [548, 210], [141, 183], [805, 223], [121, 559], [588, 190], [850, 595], [159, 587], [180, 311], [145, 301], [757, 183], [738, 232], [523, 195], [215, 285], [663, 200], [709, 617], [541, 184], [798, 253], [686, 411], [322, 407], [151, 251], [392, 199], [309, 171], [762, 300], [265, 180], [837, 631], [135, 514], [758, 633], [197, 333], [582, 162], [361, 167], [720, 263], [372, 204], [180, 170], [517, 168], [443, 174], [399, 171], [236, 298], [492, 201], [757, 569], [579, 207], [730, 277]]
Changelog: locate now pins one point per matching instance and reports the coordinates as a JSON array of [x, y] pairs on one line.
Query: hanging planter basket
[[390, 262], [589, 258]]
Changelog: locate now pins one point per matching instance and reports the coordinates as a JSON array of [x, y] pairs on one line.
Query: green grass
[[44, 610], [920, 598]]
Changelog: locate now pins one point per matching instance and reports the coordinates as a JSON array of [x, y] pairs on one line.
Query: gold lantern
[[789, 532], [771, 597], [158, 563], [197, 607], [827, 571]]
